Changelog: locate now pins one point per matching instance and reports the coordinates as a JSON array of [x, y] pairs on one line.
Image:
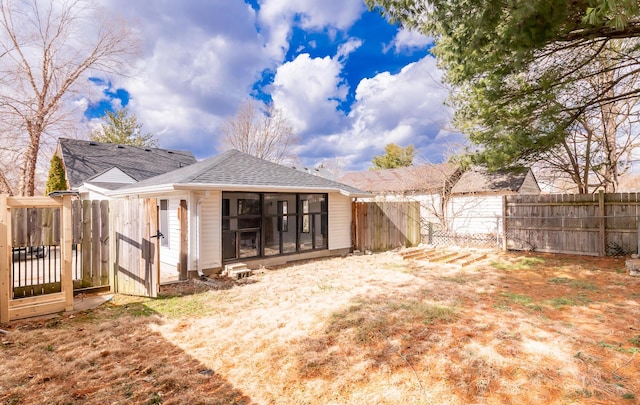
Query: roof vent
[[169, 151], [93, 143], [147, 150], [120, 147]]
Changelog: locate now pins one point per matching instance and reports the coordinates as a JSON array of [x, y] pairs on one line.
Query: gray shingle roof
[[234, 168], [423, 178], [85, 159], [482, 181]]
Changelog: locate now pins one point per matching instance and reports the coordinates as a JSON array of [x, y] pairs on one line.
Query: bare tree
[[47, 48], [598, 147], [264, 133], [334, 166]]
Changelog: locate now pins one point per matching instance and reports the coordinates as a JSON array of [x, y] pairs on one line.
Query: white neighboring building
[[476, 202]]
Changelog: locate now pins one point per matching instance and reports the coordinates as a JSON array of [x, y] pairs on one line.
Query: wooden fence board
[[591, 224], [386, 225]]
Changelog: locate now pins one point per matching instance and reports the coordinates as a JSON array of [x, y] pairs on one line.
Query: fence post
[[638, 226], [504, 222], [430, 233], [602, 237], [67, 231], [5, 274]]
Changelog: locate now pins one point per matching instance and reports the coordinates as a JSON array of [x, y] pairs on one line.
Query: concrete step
[[237, 270]]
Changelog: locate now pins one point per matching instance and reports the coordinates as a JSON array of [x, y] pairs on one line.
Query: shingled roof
[[234, 170], [424, 178], [482, 181], [83, 160]]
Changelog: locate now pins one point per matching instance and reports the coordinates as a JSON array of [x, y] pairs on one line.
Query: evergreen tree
[[527, 73], [394, 156], [123, 128], [56, 180]]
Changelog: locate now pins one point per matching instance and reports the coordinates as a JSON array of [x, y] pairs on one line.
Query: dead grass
[[521, 329]]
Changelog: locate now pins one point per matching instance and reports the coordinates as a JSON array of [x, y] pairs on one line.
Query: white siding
[[210, 243], [114, 175], [171, 254], [339, 221], [475, 214]]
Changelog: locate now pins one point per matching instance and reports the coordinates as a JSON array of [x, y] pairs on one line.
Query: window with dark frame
[[283, 219], [226, 222], [305, 216], [257, 224]]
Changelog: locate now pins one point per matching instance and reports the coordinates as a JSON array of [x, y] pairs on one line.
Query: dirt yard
[[514, 329]]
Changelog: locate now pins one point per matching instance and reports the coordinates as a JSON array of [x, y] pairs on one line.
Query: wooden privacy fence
[[91, 238], [381, 226], [585, 224]]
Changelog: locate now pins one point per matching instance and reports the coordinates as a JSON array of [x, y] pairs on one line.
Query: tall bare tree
[[47, 49], [600, 144], [264, 133]]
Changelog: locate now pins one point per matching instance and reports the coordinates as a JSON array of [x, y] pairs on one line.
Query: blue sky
[[347, 80]]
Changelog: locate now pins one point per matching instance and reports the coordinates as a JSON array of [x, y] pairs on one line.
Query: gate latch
[[158, 235]]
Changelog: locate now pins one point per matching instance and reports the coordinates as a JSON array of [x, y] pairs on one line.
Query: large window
[[270, 224], [241, 224], [313, 232]]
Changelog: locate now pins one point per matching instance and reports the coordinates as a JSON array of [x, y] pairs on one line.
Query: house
[[428, 184], [94, 168], [476, 202], [456, 202], [240, 208]]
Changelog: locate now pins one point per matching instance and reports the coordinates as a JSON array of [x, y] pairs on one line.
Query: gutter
[[163, 188]]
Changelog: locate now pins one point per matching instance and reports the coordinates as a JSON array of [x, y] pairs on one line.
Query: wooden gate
[[56, 284], [134, 247]]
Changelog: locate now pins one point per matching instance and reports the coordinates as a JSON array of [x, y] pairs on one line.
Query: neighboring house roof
[[424, 178], [501, 181], [84, 160], [234, 170]]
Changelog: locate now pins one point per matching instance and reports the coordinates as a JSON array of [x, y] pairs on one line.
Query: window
[[305, 218], [283, 219], [241, 224], [164, 223], [270, 224], [314, 227]]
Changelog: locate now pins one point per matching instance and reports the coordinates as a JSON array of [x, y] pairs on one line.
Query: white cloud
[[408, 41], [277, 17], [307, 90], [198, 64], [405, 108], [348, 47], [202, 57]]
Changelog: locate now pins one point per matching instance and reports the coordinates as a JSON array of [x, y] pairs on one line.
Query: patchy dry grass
[[525, 329]]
